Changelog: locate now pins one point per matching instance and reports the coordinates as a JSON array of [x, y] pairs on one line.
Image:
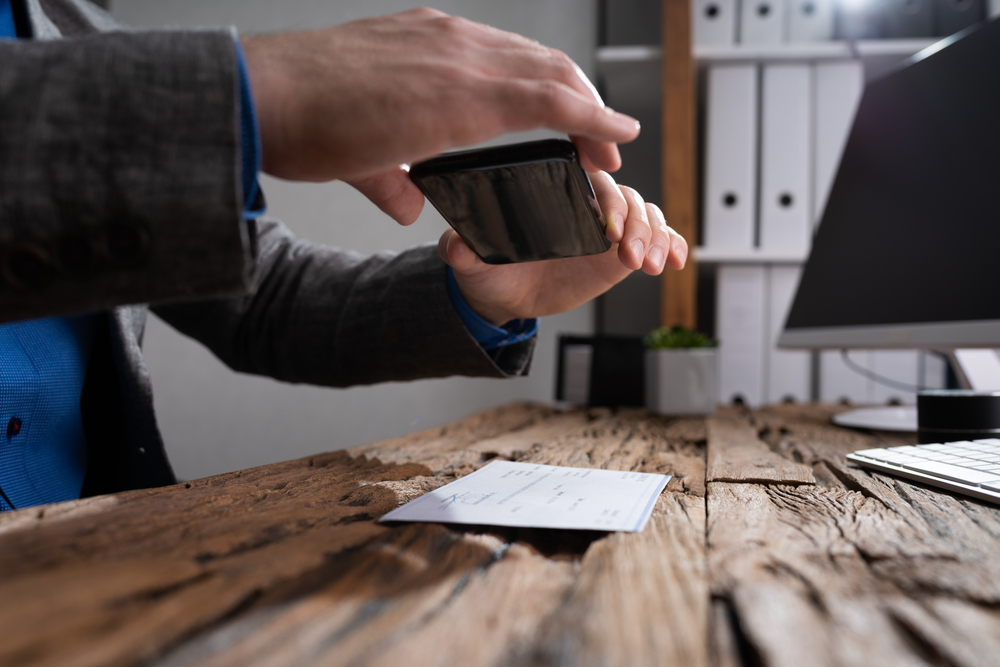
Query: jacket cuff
[[124, 185]]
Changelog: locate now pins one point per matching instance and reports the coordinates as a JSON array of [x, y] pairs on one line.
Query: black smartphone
[[517, 203]]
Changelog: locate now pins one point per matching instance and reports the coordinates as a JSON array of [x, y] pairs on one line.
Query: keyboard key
[[867, 453], [932, 456], [964, 463], [990, 441], [954, 448], [952, 472], [890, 457]]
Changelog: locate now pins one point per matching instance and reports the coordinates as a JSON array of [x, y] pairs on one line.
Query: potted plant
[[681, 371]]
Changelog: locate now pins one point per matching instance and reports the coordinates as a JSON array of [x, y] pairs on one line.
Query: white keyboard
[[969, 467]]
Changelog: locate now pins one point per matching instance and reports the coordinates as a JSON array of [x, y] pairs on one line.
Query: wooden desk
[[799, 559]]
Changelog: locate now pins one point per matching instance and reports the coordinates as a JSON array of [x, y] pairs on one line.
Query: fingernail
[[616, 225], [683, 254], [623, 117], [655, 255], [637, 250]]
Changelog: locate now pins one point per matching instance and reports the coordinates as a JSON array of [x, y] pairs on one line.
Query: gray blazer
[[120, 185]]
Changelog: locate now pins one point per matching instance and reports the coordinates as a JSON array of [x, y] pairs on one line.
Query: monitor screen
[[908, 251]]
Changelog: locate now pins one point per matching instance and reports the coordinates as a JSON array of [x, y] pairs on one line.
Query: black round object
[[947, 415]]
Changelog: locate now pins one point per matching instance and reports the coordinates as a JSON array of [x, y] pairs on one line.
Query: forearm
[[332, 317]]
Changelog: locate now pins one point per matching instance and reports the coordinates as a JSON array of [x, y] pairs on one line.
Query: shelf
[[630, 75], [611, 56], [864, 49], [705, 255]]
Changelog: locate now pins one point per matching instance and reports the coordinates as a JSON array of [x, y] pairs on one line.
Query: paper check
[[530, 495]]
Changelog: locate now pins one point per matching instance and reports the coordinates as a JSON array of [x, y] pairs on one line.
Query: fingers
[[612, 203], [536, 62], [523, 104], [645, 240], [659, 241], [677, 257], [455, 253], [595, 153], [666, 246], [636, 236], [394, 193]]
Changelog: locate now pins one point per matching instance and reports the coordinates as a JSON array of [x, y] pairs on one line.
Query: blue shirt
[[6, 21], [43, 451]]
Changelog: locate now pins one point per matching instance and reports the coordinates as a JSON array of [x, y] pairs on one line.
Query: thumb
[[394, 193], [457, 254]]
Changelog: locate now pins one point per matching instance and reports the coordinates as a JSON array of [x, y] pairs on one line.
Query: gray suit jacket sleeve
[[119, 171], [333, 317], [120, 183]]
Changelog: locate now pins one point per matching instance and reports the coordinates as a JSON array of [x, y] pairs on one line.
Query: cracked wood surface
[[857, 569], [738, 455], [286, 565], [786, 556]]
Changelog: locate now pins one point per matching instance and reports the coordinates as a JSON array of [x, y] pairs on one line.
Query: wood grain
[[857, 569], [679, 303], [736, 454], [286, 565]]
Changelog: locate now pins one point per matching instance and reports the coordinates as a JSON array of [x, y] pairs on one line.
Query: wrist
[[488, 335], [267, 90], [490, 312]]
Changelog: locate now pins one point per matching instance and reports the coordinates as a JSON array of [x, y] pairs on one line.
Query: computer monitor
[[908, 251]]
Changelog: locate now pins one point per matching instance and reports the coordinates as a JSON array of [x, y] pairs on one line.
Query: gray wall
[[215, 420]]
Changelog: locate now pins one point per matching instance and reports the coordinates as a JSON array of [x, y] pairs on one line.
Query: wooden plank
[[284, 564], [679, 162], [736, 454], [857, 569], [516, 596]]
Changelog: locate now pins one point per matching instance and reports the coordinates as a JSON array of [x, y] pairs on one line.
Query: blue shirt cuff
[[253, 199], [488, 336]]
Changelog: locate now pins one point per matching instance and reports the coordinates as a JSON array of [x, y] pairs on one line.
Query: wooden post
[[678, 303]]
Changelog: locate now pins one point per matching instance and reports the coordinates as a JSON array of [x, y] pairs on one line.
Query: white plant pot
[[681, 382]]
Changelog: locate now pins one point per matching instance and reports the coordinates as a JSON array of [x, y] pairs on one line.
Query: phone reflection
[[522, 212]]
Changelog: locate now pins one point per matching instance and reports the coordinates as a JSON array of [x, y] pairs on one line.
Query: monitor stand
[[976, 369], [884, 418]]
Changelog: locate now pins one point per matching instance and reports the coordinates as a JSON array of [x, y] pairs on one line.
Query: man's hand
[[356, 101], [501, 293]]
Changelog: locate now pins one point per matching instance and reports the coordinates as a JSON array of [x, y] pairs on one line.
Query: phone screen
[[542, 208]]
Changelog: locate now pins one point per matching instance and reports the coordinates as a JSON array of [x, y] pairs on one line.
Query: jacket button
[[26, 266], [126, 244], [13, 427]]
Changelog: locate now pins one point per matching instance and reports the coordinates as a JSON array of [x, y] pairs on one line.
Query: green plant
[[676, 337]]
